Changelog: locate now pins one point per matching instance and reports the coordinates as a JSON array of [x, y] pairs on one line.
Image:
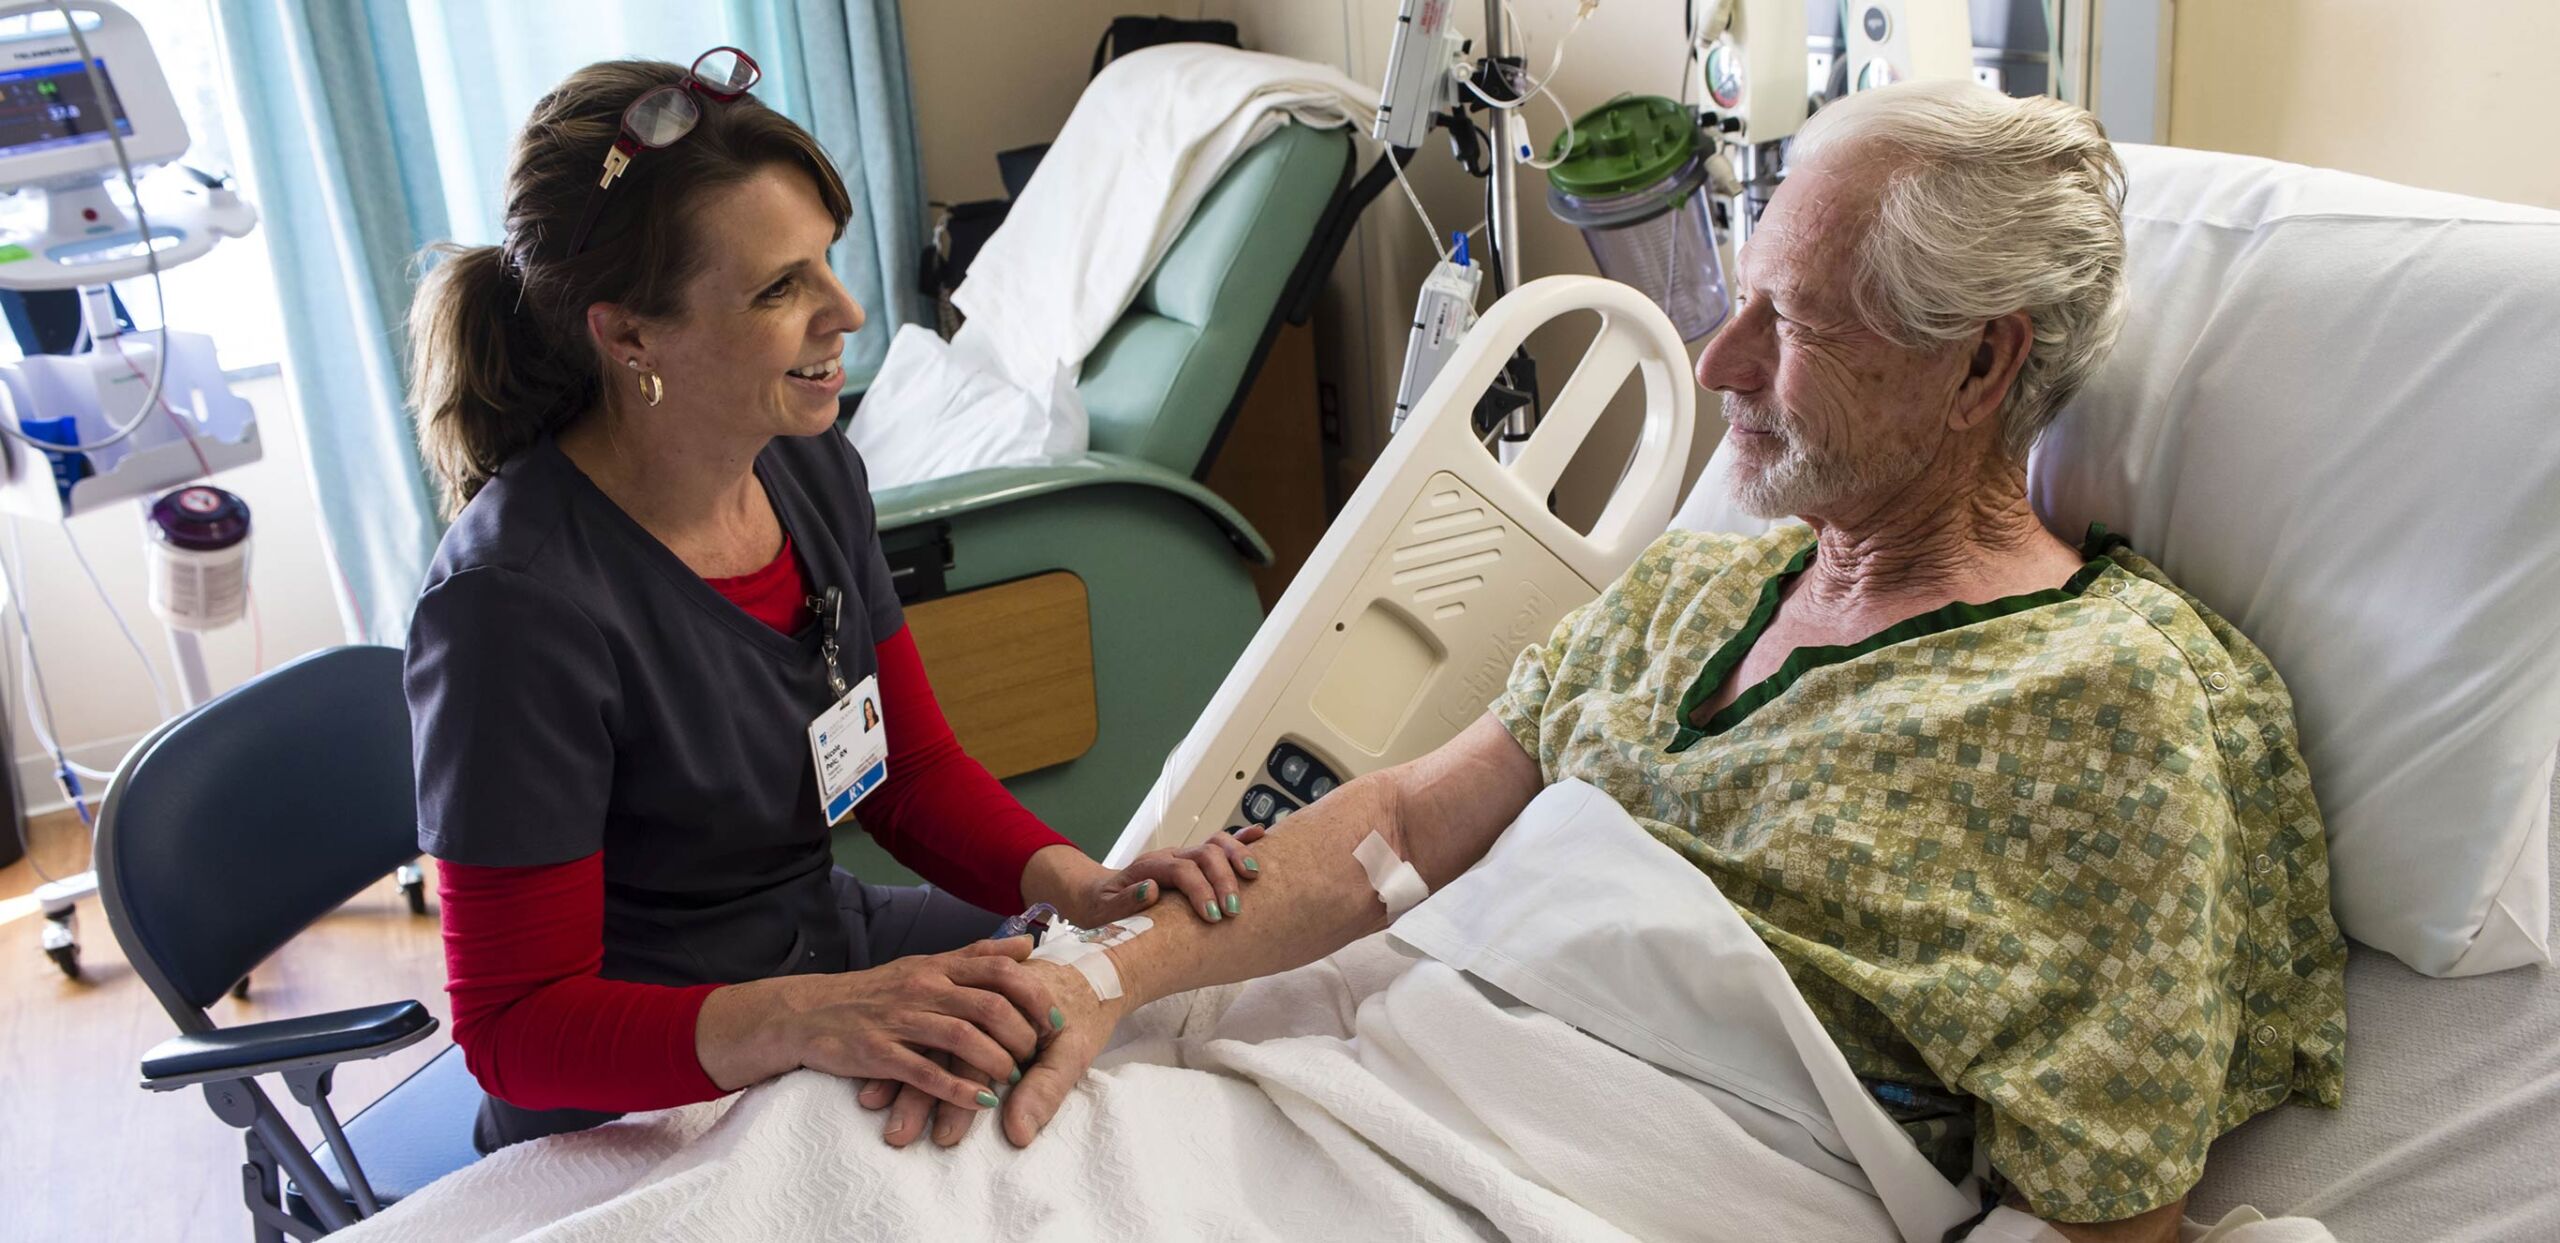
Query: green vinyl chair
[[1158, 567]]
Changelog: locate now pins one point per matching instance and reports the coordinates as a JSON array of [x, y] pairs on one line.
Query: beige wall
[[2447, 94], [991, 75]]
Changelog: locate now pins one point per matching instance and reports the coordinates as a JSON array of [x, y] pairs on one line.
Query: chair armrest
[[285, 1044], [936, 500]]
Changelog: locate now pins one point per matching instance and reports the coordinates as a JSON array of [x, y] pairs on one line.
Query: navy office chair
[[227, 832]]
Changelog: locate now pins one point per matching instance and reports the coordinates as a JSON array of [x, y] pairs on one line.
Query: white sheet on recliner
[[1146, 142], [936, 409]]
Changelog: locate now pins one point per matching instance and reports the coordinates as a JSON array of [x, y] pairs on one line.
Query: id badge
[[851, 745]]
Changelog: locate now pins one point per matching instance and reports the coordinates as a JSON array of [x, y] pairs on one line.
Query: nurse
[[659, 653]]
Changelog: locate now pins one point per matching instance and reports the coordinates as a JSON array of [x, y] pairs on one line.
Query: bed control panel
[[1291, 778]]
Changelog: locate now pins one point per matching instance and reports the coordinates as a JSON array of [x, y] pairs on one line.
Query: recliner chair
[[1149, 595]]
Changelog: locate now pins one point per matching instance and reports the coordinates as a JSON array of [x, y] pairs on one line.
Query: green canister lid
[[1630, 143]]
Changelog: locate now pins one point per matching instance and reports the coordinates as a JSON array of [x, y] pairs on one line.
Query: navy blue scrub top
[[574, 687]]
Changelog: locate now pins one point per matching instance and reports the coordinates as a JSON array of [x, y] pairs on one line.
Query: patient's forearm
[[1440, 813], [1311, 899]]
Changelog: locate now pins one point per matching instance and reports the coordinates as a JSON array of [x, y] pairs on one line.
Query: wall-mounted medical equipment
[[1908, 41], [1748, 61], [1757, 73], [89, 139], [1390, 641], [1752, 79], [1757, 68], [1632, 176]]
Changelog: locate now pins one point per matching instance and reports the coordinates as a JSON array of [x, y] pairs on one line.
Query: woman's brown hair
[[499, 354]]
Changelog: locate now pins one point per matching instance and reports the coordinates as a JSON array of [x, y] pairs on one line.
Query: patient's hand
[[1064, 1058], [1029, 1104]]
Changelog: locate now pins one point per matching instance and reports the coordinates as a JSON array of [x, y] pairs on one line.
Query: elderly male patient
[[2027, 824]]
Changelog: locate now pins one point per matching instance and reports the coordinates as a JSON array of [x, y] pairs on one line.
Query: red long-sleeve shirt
[[542, 1029]]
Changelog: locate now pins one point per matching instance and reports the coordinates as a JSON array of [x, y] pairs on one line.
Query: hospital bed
[[1076, 615], [2329, 416]]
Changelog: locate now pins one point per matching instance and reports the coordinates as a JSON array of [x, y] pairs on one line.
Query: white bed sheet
[[2451, 1127]]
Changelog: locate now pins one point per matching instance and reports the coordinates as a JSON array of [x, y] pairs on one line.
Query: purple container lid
[[201, 518]]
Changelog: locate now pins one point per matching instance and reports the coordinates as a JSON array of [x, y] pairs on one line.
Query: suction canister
[[1632, 176]]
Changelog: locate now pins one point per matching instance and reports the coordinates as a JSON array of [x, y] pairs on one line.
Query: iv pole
[[1503, 220]]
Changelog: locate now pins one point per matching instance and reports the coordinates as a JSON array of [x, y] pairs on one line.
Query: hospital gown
[[2052, 859]]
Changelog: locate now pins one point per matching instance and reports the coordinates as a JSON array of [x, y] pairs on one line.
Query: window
[[229, 293], [483, 63]]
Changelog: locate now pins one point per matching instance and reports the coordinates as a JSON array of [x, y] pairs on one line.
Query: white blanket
[[1365, 1097], [936, 410], [1147, 140], [1373, 1095]]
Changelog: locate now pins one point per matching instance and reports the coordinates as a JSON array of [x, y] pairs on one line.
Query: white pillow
[[939, 409], [2334, 416]]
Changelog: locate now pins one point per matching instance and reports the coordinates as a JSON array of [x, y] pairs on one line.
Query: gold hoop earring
[[652, 388]]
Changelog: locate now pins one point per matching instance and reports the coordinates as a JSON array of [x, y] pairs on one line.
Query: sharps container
[[199, 558], [1632, 176]]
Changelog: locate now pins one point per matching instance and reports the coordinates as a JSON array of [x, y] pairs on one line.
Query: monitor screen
[[51, 106]]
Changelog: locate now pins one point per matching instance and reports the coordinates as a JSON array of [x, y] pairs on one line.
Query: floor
[[86, 1152]]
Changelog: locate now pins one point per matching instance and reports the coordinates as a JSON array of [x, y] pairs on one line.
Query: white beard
[[1799, 482]]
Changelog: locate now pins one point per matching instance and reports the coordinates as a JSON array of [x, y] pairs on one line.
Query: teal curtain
[[376, 126], [839, 67], [333, 116]]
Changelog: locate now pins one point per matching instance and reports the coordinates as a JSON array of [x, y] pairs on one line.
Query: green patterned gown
[[2048, 869]]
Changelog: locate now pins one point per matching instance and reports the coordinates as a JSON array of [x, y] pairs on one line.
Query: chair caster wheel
[[416, 892], [66, 957]]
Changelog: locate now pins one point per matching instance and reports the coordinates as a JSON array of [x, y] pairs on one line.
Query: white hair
[[1994, 205]]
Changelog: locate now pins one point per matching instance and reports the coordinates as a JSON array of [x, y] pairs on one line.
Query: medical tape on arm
[[1394, 880], [1083, 949]]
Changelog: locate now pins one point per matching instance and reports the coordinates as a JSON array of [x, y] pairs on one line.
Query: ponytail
[[483, 385]]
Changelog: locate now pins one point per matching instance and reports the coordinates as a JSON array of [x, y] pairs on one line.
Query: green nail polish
[[1253, 867], [1016, 1077], [987, 1099], [1057, 1019], [1233, 902], [1211, 911], [1146, 890]]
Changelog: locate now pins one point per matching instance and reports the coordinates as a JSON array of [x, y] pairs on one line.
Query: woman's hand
[[979, 1009], [1029, 1101], [1209, 876]]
